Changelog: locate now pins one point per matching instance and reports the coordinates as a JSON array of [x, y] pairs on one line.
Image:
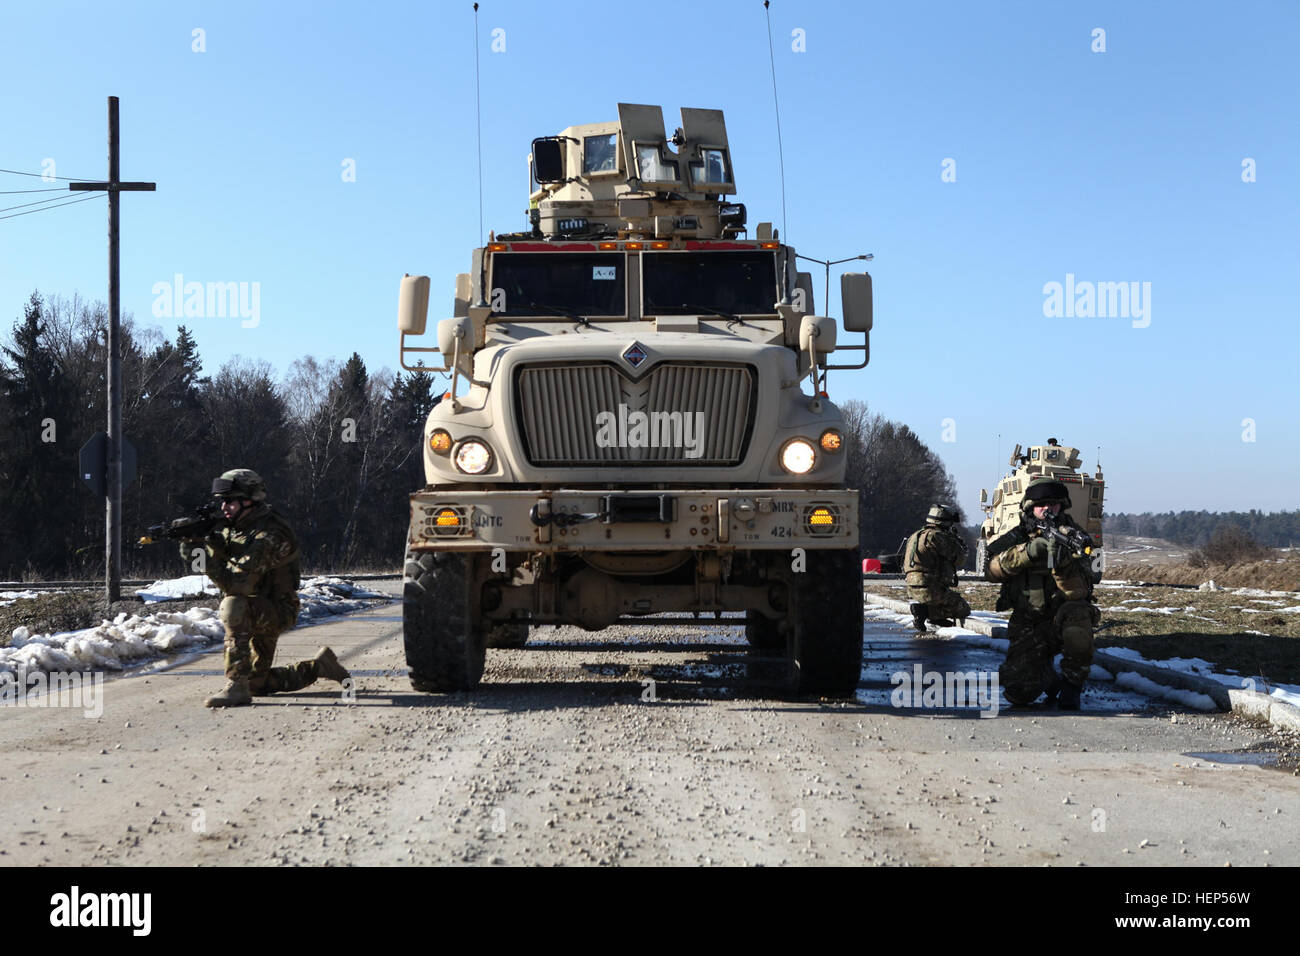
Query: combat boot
[[328, 666], [918, 616], [236, 694], [1069, 696], [1054, 690]]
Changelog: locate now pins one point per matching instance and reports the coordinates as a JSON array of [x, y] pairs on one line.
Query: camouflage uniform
[[930, 561], [255, 563], [253, 558], [1049, 594]]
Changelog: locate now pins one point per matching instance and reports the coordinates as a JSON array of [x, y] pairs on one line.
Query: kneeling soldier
[[930, 561], [253, 558]]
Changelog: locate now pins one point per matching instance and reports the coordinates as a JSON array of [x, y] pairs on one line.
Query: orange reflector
[[769, 245], [496, 247], [608, 245], [821, 517], [633, 245], [448, 519], [659, 245]]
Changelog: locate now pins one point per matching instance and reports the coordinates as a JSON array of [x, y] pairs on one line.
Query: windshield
[[688, 283], [555, 283]]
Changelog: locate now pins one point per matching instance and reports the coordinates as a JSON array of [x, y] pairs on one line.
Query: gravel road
[[597, 748]]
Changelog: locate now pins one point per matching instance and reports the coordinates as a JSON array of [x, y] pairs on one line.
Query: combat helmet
[[239, 483], [1045, 491], [941, 515]]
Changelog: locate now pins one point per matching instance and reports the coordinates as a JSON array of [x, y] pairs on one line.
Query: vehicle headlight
[[473, 457], [798, 456]]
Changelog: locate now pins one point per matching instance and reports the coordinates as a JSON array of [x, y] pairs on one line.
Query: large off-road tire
[[444, 644], [508, 635], [763, 633], [981, 557], [827, 617]]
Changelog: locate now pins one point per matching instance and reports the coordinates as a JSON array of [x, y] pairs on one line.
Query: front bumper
[[573, 520]]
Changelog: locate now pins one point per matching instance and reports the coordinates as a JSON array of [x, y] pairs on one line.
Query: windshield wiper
[[562, 313], [731, 319]]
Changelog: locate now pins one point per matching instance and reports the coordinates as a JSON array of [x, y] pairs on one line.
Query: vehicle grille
[[560, 410]]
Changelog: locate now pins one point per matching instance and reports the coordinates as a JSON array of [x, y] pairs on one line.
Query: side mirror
[[818, 330], [984, 496], [449, 330], [855, 297], [413, 305], [548, 160]]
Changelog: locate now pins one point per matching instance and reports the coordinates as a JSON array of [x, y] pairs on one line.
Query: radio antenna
[[478, 121], [780, 151]]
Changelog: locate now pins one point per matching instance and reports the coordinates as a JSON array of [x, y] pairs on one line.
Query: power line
[[13, 192], [71, 202], [36, 203], [46, 176]]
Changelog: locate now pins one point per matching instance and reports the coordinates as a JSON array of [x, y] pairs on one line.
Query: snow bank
[[128, 640], [112, 645]]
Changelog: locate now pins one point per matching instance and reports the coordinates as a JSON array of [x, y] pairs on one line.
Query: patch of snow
[[1187, 698], [128, 640], [111, 645], [11, 597], [193, 585]]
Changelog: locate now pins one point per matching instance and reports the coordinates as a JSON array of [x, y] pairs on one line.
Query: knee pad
[[1074, 622], [236, 614]]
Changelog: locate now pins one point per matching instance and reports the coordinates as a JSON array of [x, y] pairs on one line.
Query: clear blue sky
[[1117, 166]]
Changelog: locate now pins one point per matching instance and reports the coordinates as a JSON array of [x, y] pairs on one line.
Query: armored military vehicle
[[1055, 461], [637, 422]]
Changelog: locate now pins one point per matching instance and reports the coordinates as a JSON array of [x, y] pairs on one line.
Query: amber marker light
[[496, 247], [606, 246], [440, 442], [633, 246], [769, 245], [448, 519], [832, 441], [658, 245], [821, 518]]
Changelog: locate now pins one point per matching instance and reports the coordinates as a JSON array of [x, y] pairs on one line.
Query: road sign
[[92, 463]]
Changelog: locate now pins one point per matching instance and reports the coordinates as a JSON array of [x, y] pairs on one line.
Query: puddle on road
[[1255, 759]]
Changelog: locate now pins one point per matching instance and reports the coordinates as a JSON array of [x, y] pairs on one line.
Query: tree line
[[1195, 529], [339, 446]]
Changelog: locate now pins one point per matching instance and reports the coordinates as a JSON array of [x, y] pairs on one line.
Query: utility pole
[[113, 513]]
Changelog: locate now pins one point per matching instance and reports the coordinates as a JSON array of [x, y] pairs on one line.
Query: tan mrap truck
[[637, 422], [1052, 460]]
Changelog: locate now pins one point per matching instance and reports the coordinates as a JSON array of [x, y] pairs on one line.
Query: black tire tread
[[443, 647]]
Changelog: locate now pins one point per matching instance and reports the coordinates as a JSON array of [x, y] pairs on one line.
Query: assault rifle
[[190, 527], [1079, 543]]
